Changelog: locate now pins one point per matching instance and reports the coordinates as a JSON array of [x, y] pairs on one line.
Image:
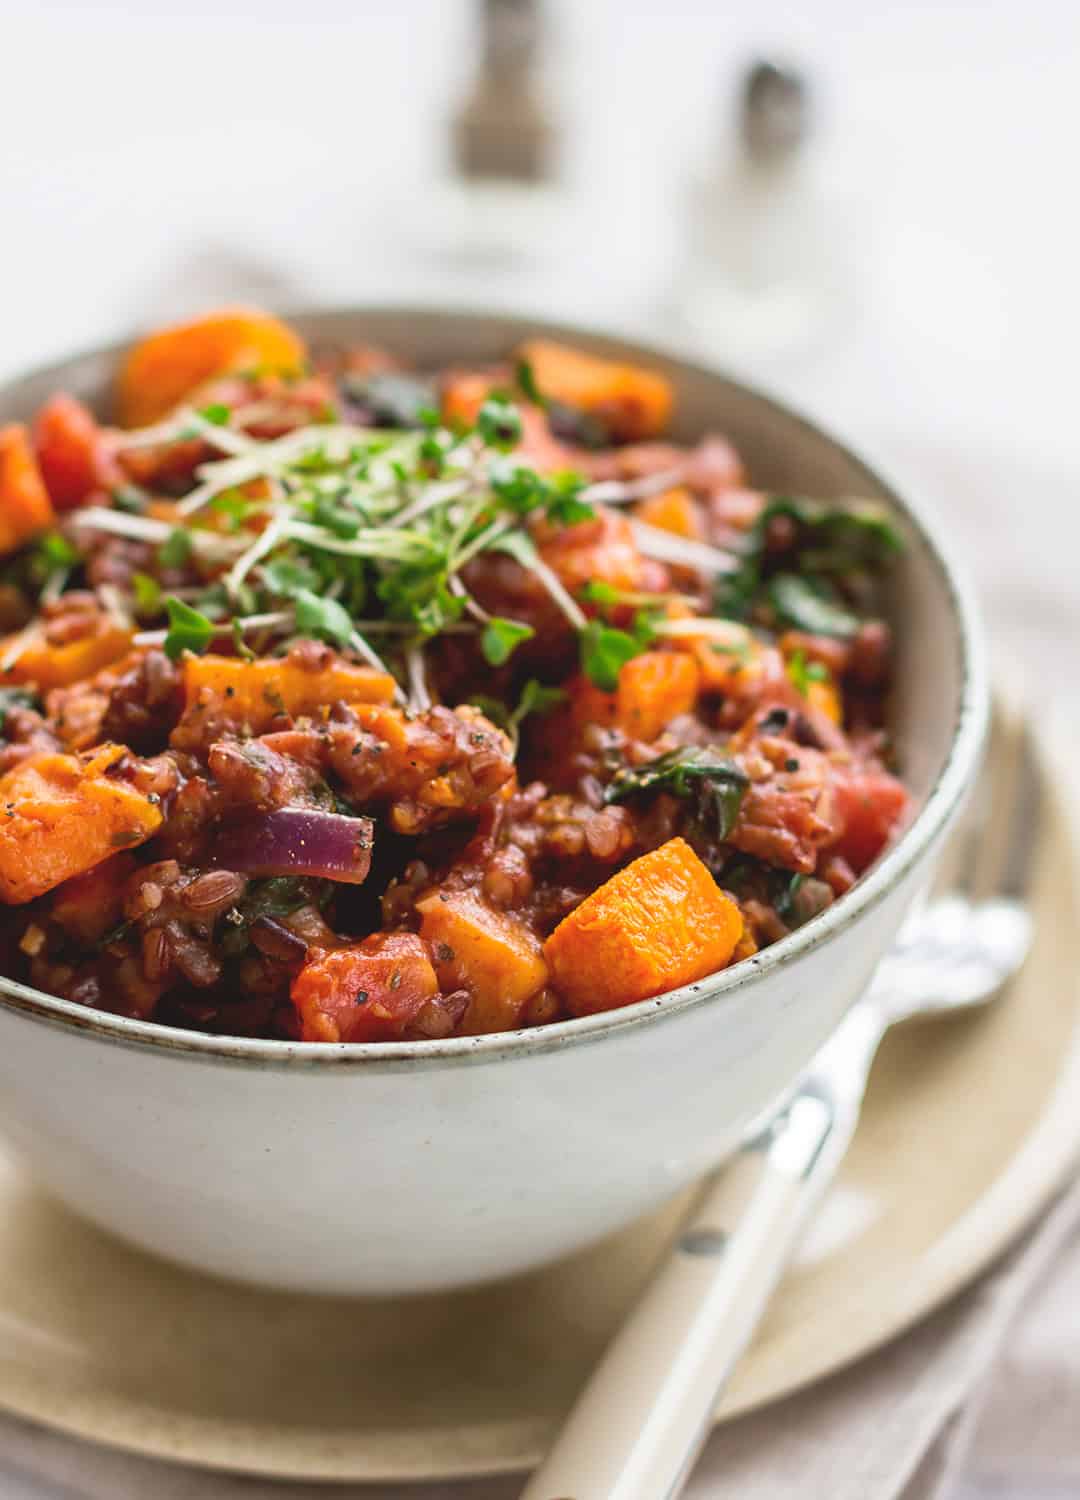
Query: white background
[[154, 157]]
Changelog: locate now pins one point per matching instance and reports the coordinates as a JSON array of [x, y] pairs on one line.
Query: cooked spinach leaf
[[830, 542], [712, 786], [804, 604]]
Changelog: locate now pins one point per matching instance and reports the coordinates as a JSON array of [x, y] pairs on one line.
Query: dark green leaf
[[188, 629], [525, 379], [130, 499], [501, 638], [13, 697], [711, 785], [394, 400], [583, 428], [802, 604]]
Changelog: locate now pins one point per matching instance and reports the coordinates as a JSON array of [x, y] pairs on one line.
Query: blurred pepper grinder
[[770, 268], [501, 211]]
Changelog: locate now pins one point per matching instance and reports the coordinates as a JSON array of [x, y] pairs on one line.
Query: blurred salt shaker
[[499, 218], [770, 270]]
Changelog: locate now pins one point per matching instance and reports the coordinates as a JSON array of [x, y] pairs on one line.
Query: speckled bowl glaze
[[424, 1165]]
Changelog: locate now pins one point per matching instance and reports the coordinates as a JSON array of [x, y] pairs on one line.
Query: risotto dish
[[342, 701]]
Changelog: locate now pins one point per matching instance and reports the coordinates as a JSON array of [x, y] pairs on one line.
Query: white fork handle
[[642, 1418]]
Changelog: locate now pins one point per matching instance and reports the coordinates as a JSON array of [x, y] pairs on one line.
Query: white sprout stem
[[566, 602], [114, 604], [270, 620], [665, 546], [479, 543], [27, 637], [373, 659], [419, 694], [54, 585], [148, 529], [436, 495], [243, 565], [622, 491], [703, 627], [377, 541], [472, 607], [140, 528]]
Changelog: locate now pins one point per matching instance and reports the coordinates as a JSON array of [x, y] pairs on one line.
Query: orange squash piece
[[25, 507], [60, 815], [168, 365], [654, 688], [659, 923], [250, 694], [673, 510], [632, 403], [489, 952], [464, 392], [60, 666], [824, 696]]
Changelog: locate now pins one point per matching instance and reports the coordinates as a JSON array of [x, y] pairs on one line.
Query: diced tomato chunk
[[70, 451], [369, 992], [868, 808]]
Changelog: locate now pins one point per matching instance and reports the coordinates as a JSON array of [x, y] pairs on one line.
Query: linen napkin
[[898, 1425]]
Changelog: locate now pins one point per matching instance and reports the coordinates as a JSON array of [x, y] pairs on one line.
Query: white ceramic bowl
[[421, 1165]]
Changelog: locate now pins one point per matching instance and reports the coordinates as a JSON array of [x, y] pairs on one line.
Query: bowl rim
[[943, 799]]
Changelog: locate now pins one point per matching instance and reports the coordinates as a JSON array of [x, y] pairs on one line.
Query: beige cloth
[[896, 1426]]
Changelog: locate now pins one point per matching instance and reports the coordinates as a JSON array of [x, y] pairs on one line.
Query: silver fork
[[643, 1416]]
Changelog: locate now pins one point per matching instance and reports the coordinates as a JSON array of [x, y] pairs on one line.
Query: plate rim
[[968, 1247]]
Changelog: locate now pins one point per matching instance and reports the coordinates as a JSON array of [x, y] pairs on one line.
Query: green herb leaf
[[55, 551], [525, 380], [604, 650], [188, 629], [564, 506], [324, 618], [802, 673], [235, 506], [802, 603], [285, 576], [501, 638], [712, 785], [599, 591], [216, 414], [499, 424], [147, 594], [175, 552], [536, 698]]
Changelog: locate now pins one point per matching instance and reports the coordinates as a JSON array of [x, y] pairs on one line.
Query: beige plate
[[969, 1126]]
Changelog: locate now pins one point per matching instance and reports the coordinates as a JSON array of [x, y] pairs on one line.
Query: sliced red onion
[[299, 841]]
